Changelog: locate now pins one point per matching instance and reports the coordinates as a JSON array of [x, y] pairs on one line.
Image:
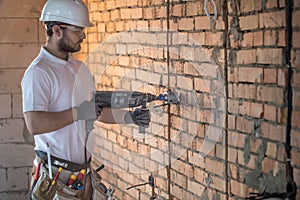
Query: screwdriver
[[37, 173], [57, 175]]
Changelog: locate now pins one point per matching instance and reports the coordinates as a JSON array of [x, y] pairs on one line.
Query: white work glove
[[88, 110]]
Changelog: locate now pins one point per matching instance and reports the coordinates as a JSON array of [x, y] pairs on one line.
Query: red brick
[[271, 4], [202, 85], [255, 143], [148, 13], [132, 145], [247, 40], [296, 118], [281, 115], [258, 38], [295, 155], [101, 6], [183, 168], [160, 12], [248, 6], [115, 14], [111, 27], [272, 19], [295, 58], [131, 3], [270, 112], [110, 4], [270, 75], [238, 189], [270, 94], [244, 125], [136, 13], [177, 10], [256, 110], [176, 190], [273, 132], [218, 183], [93, 6], [231, 122], [195, 187], [192, 9], [197, 38], [244, 108], [214, 39], [282, 77], [186, 24], [296, 15], [247, 91], [296, 39], [180, 179], [296, 78], [125, 13], [295, 138], [232, 155], [268, 165], [248, 22], [105, 16], [282, 38], [246, 56], [196, 158], [296, 97], [250, 74], [271, 150], [120, 26], [234, 172], [236, 139], [269, 56], [202, 23], [270, 38], [218, 168], [184, 82], [220, 24]]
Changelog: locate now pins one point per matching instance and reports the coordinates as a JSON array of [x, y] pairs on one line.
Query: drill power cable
[[215, 10]]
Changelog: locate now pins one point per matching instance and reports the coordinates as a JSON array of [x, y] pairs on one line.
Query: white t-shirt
[[52, 84]]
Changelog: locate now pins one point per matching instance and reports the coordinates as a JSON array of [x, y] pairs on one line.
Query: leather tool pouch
[[44, 190], [100, 189]]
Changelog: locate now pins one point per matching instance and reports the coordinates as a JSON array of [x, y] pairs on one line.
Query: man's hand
[[140, 117], [88, 110]]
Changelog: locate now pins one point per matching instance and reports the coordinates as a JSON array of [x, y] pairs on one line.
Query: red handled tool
[[36, 176]]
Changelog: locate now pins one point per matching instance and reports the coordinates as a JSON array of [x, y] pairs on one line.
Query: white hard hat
[[72, 12]]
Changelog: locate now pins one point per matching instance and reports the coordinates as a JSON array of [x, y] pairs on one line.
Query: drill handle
[[141, 128]]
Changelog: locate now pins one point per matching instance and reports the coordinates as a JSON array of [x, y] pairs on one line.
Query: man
[[58, 89]]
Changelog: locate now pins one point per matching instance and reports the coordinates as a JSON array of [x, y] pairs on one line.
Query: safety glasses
[[78, 30]]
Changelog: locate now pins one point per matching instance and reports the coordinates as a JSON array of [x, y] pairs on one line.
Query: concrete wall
[[227, 136], [21, 35]]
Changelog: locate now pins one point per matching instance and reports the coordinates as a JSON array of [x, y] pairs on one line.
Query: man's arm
[[39, 122]]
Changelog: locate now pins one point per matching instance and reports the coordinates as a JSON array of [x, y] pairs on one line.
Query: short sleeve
[[36, 89]]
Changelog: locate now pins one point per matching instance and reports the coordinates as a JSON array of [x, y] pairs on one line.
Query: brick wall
[[20, 40], [209, 146]]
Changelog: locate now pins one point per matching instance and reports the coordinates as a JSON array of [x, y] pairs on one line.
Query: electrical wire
[[215, 10]]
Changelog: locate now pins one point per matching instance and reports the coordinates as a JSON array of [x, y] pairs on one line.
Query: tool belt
[[44, 189], [59, 162]]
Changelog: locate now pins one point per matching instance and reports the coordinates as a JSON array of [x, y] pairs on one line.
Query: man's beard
[[63, 45]]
